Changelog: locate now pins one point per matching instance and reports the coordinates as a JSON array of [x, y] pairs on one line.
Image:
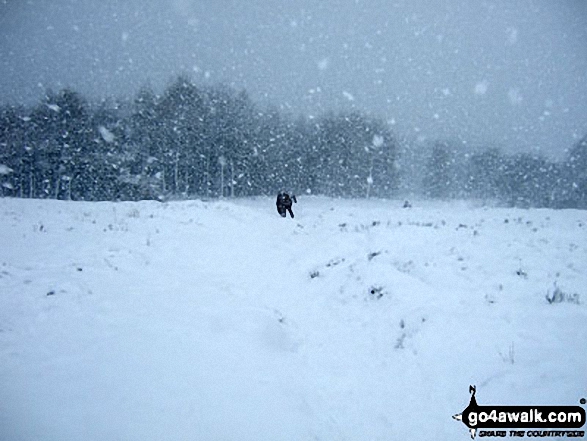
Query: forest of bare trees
[[195, 142]]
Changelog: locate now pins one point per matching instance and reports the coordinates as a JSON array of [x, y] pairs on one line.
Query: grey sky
[[511, 74]]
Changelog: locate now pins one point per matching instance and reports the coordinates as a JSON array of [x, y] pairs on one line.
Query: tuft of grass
[[510, 356], [376, 291], [373, 254], [134, 213], [559, 296]]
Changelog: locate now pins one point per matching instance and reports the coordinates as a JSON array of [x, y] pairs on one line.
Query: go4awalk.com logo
[[513, 421]]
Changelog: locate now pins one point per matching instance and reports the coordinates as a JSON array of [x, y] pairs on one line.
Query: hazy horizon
[[486, 73]]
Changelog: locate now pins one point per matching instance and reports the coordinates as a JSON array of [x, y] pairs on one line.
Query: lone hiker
[[284, 203]]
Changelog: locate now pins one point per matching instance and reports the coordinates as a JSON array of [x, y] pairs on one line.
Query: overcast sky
[[504, 73]]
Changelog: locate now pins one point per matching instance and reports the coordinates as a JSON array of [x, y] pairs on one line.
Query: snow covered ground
[[357, 320]]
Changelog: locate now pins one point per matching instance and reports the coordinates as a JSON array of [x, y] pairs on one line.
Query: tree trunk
[[231, 179]]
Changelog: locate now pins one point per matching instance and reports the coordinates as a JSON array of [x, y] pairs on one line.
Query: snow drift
[[357, 320]]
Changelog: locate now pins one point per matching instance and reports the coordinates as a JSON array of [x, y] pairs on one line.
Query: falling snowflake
[[348, 96], [514, 96], [106, 134], [512, 35], [481, 87], [377, 141], [323, 64], [5, 170]]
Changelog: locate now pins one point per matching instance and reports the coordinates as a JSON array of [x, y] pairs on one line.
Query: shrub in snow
[[510, 356], [490, 299], [559, 296], [335, 262], [522, 273], [376, 292], [134, 213], [373, 254]]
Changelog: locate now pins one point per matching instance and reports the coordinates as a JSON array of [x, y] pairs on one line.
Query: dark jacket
[[284, 203], [284, 200]]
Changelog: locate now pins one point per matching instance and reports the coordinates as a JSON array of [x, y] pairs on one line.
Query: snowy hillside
[[357, 320]]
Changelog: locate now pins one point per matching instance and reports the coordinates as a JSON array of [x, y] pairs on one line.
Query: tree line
[[210, 142], [523, 180], [188, 142]]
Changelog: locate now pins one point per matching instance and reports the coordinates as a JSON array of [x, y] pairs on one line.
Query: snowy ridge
[[220, 320]]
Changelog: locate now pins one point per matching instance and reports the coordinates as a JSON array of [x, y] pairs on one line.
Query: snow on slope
[[357, 320]]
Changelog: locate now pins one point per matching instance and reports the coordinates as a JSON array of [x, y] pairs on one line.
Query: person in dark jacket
[[284, 203]]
